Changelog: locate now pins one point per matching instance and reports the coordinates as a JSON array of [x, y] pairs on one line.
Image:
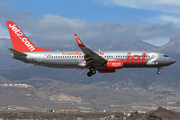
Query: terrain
[[63, 96], [159, 114]]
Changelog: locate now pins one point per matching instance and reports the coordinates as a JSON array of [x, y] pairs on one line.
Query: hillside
[[173, 46], [4, 80], [63, 96], [159, 114], [162, 113], [87, 93]]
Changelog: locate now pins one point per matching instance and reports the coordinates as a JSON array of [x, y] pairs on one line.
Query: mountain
[[97, 98], [62, 96], [159, 114], [4, 80], [163, 114], [107, 45], [20, 98], [172, 46], [124, 46]]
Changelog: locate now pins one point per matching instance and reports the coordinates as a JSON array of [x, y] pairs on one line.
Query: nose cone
[[172, 61]]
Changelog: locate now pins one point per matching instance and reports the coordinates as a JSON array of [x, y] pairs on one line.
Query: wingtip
[[80, 44]]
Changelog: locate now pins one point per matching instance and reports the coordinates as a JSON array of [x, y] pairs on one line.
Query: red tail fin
[[19, 41]]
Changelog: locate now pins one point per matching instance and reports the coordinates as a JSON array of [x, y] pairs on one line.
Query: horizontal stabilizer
[[15, 52]]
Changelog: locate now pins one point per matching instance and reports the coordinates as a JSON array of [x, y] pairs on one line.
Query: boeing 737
[[102, 61]]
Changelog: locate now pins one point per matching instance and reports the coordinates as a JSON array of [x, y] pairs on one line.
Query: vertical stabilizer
[[19, 41]]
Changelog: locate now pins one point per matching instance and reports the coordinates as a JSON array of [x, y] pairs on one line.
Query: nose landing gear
[[158, 72], [91, 72]]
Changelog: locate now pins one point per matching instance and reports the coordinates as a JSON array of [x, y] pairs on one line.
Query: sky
[[55, 22]]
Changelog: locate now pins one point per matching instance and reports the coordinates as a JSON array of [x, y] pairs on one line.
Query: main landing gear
[[91, 72], [158, 72]]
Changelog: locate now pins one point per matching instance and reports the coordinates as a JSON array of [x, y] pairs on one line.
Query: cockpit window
[[165, 56]]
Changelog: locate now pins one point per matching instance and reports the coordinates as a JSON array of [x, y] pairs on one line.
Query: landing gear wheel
[[93, 71], [158, 72], [89, 74]]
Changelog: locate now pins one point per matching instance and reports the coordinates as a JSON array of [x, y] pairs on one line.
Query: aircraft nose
[[172, 61]]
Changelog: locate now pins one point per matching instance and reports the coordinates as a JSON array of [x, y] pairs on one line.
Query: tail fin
[[19, 41]]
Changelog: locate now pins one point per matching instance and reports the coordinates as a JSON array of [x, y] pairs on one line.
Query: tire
[[89, 74], [158, 72], [93, 71]]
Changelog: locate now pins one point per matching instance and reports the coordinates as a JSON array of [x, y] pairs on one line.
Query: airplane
[[102, 61]]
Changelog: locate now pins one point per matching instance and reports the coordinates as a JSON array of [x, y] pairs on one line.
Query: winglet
[[88, 52], [80, 44]]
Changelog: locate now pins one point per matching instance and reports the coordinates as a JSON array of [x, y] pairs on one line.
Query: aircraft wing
[[90, 56]]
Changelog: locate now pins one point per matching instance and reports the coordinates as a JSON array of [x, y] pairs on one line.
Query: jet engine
[[111, 66]]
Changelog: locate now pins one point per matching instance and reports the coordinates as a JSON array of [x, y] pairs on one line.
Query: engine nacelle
[[111, 66], [114, 64]]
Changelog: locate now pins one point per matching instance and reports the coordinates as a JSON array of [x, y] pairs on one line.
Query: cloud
[[172, 6], [4, 44], [166, 19], [4, 33], [54, 29], [4, 5]]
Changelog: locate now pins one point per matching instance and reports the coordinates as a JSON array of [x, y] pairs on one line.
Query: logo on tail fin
[[20, 34], [19, 41]]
